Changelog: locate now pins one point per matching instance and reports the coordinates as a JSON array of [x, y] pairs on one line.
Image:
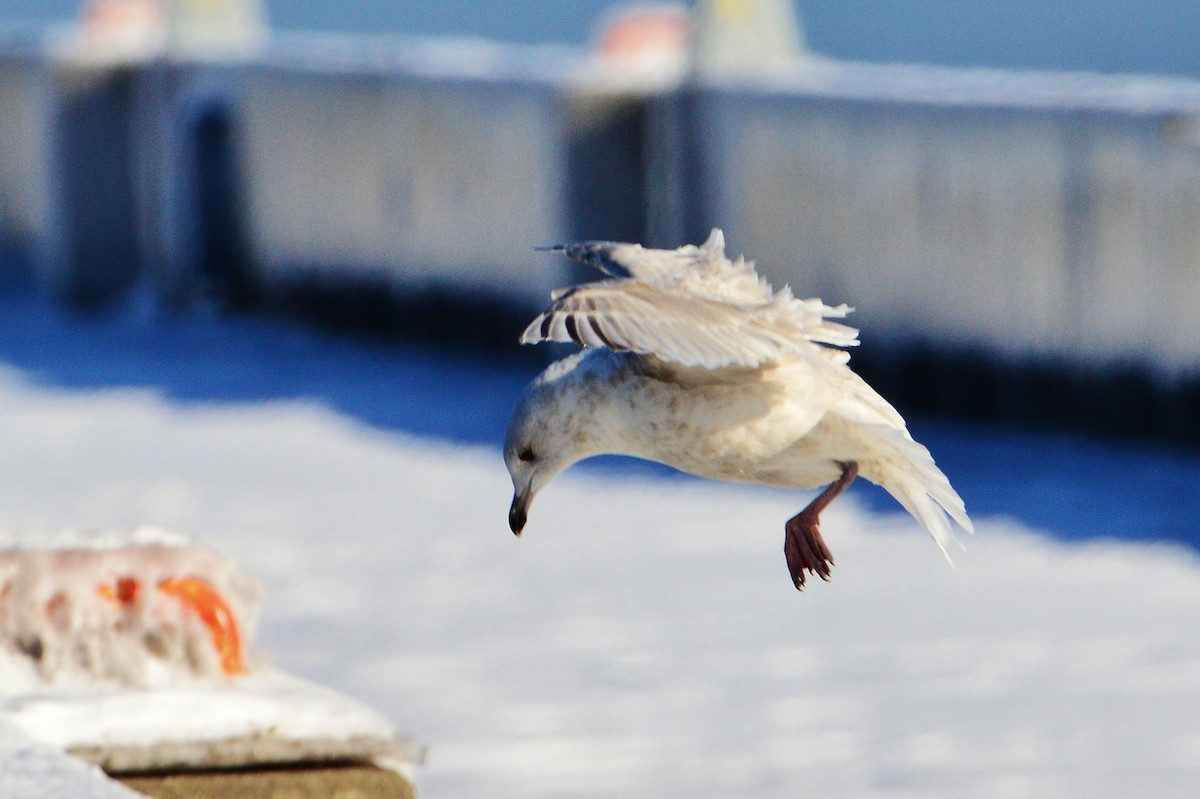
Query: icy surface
[[643, 638], [29, 769], [268, 703]]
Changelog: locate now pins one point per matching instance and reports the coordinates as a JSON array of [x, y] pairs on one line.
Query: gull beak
[[519, 511]]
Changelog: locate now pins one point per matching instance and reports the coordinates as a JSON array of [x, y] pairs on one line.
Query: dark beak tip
[[516, 519]]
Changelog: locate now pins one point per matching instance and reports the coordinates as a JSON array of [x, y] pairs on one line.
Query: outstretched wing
[[691, 306], [626, 315]]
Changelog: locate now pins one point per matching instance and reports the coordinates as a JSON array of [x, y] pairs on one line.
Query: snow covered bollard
[[134, 651], [142, 609]]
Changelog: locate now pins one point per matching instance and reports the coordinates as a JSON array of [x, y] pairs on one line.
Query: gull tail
[[910, 475], [902, 466]]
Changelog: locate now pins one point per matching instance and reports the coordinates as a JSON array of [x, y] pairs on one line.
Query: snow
[[643, 637], [470, 58], [31, 769], [93, 540], [289, 707], [262, 718], [466, 58], [1153, 95]]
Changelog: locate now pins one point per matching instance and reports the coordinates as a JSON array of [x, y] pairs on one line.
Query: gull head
[[551, 428]]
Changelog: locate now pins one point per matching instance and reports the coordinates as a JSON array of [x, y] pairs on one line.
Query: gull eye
[[526, 454]]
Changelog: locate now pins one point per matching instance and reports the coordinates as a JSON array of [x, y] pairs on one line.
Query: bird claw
[[804, 547], [806, 550]]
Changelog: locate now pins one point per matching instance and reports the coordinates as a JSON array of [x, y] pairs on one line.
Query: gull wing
[[692, 306], [627, 315]]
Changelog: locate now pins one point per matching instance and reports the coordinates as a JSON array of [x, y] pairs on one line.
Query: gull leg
[[803, 545]]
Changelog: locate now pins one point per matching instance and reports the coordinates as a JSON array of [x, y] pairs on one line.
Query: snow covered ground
[[643, 638]]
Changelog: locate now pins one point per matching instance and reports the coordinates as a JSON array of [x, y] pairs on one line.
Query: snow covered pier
[[1026, 242]]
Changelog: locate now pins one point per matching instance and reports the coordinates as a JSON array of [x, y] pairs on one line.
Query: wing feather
[[691, 305], [626, 315]]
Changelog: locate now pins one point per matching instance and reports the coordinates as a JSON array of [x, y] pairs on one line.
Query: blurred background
[[1099, 35], [1006, 193], [245, 208]]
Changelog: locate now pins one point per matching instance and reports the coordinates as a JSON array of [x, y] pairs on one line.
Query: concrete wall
[[252, 179], [73, 172], [1065, 231], [422, 183], [365, 176], [98, 252]]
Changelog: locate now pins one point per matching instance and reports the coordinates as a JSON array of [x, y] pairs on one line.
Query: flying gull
[[692, 360]]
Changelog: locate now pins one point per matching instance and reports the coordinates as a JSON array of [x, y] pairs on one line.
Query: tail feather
[[907, 471], [902, 466]]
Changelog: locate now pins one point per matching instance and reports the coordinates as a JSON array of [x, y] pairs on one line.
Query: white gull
[[692, 360]]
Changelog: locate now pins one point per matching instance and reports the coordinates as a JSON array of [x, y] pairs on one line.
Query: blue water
[[1072, 487], [1154, 36]]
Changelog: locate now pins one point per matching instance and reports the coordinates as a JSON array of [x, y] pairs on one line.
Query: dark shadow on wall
[[16, 267], [606, 170], [224, 267], [94, 161], [1122, 401]]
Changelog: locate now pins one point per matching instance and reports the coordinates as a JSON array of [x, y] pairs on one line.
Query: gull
[[692, 360]]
